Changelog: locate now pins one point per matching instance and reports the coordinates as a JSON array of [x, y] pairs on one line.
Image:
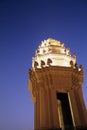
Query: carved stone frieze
[[75, 81], [33, 82], [77, 77]]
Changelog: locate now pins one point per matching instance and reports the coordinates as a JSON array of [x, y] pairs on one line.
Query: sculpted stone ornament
[[81, 68], [33, 87], [42, 63], [75, 81], [76, 66], [54, 42], [49, 61], [35, 64], [71, 63], [30, 73]]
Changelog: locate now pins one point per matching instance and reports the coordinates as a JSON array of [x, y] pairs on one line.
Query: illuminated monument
[[55, 82]]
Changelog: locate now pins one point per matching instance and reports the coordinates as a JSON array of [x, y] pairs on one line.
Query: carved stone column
[[74, 108]]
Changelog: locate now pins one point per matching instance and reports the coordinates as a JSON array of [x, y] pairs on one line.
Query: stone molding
[[47, 77]]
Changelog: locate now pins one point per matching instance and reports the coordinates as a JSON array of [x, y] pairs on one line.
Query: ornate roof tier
[[52, 52]]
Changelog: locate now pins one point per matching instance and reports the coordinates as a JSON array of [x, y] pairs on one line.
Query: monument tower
[[55, 82]]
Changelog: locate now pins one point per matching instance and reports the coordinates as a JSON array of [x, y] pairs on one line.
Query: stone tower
[[55, 82]]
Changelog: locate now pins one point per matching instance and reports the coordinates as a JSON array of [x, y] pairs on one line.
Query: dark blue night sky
[[23, 25]]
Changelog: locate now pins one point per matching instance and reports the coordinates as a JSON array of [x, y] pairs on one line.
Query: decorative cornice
[[47, 76]]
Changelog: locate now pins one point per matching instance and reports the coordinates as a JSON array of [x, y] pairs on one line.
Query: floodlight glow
[[54, 50]]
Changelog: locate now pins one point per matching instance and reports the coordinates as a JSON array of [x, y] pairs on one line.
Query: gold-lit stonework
[[55, 82], [54, 50]]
